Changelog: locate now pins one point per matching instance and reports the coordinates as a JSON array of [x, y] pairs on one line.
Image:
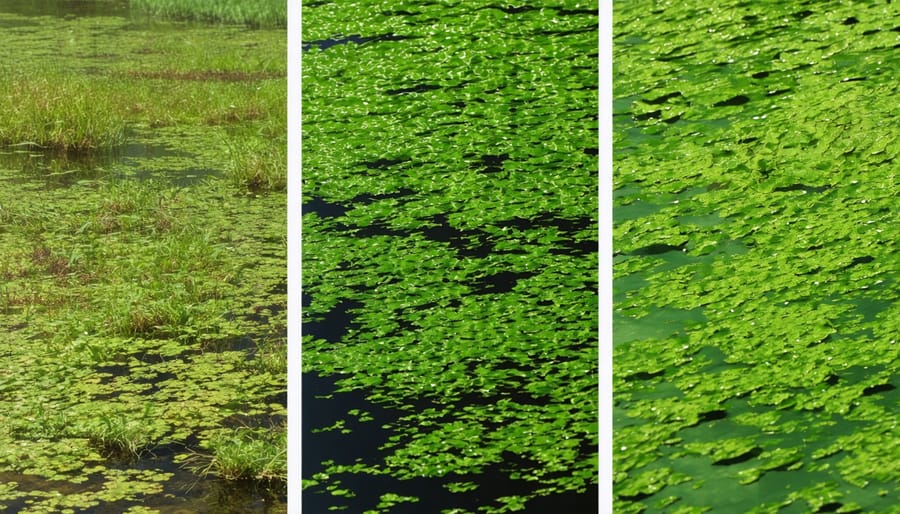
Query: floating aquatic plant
[[754, 277]]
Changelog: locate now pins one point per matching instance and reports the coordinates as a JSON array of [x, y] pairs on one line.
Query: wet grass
[[73, 104], [244, 453], [258, 163], [59, 113], [250, 12]]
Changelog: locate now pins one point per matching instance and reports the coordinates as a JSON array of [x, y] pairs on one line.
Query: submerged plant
[[755, 288]]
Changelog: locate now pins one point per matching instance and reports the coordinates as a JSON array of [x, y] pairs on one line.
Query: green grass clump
[[257, 163], [68, 114], [256, 13], [244, 453]]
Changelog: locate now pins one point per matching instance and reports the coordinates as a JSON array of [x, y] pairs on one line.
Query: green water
[[449, 256], [756, 203]]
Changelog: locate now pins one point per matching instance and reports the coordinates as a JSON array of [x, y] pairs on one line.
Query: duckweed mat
[[756, 313], [449, 257]]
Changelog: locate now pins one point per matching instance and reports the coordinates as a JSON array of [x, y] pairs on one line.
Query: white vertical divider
[[294, 234], [605, 235]]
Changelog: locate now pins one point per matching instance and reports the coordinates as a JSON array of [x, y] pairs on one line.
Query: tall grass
[[243, 453], [67, 114], [256, 13], [258, 163]]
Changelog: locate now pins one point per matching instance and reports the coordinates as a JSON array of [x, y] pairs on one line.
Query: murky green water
[[449, 239], [755, 284], [141, 292]]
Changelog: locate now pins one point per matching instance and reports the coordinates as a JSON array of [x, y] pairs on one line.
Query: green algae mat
[[142, 274], [756, 262], [449, 257]]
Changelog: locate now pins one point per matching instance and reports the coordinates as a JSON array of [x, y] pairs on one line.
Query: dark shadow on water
[[324, 406], [325, 44], [333, 324], [184, 492], [323, 209]]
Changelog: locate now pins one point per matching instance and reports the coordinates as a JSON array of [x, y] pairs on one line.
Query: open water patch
[[324, 44], [351, 441]]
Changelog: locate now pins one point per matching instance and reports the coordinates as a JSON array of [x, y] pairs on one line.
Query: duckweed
[[449, 254], [754, 187]]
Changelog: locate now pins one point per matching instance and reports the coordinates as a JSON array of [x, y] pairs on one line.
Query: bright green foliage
[[463, 158], [59, 113], [756, 264]]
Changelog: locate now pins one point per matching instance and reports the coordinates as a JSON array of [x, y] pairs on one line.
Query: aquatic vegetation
[[251, 12], [244, 453], [141, 291], [755, 275], [449, 239], [258, 163], [150, 77], [58, 113]]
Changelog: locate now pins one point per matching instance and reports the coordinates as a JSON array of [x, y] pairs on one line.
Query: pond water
[[142, 290], [450, 256], [755, 296]]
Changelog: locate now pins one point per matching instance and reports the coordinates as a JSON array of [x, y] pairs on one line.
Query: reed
[[257, 163]]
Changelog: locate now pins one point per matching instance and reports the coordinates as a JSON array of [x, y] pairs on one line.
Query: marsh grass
[[256, 163], [242, 453], [121, 436], [62, 114], [110, 284], [147, 206], [256, 13]]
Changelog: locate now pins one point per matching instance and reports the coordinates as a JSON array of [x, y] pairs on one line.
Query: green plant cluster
[[142, 289], [755, 285], [255, 13], [450, 191]]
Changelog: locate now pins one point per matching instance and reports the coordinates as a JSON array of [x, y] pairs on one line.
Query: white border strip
[[294, 271], [605, 235]]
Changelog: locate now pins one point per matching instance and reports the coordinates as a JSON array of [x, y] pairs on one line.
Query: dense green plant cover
[[142, 291], [449, 184], [250, 12], [756, 312], [69, 91]]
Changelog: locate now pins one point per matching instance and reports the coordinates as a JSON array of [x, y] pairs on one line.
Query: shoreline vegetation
[[143, 308]]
